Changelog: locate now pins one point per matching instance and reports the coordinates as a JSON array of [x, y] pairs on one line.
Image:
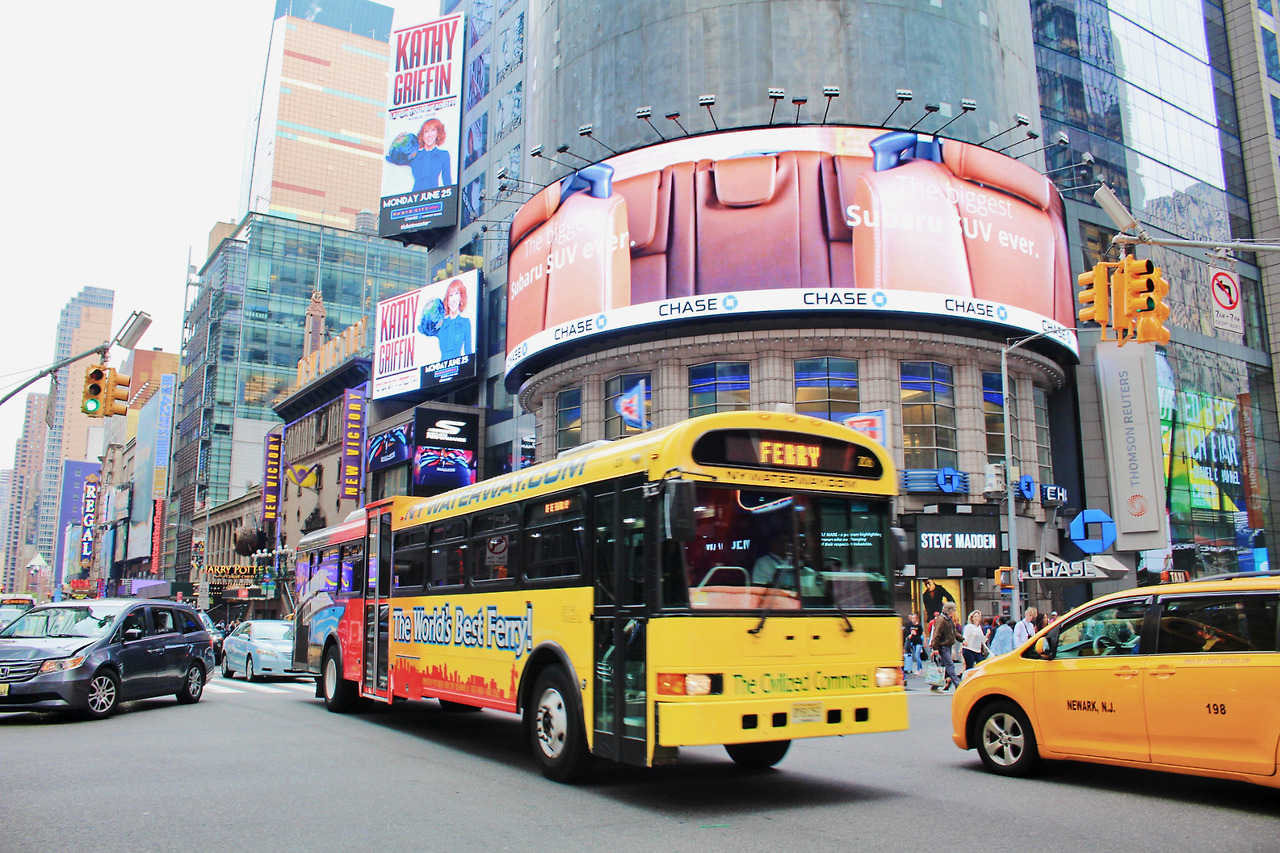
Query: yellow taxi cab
[[1183, 678]]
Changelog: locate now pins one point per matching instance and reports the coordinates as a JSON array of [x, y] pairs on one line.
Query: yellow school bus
[[725, 580]]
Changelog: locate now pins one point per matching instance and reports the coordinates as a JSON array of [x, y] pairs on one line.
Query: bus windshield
[[786, 551]]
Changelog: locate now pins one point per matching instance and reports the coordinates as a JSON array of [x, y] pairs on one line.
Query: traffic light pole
[[102, 349], [1010, 487]]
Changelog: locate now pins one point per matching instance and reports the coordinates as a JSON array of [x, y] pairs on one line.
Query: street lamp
[[1010, 487]]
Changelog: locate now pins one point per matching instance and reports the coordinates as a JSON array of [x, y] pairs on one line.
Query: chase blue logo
[[1027, 487], [1106, 531], [1002, 313], [601, 321], [949, 480], [730, 302], [879, 300]]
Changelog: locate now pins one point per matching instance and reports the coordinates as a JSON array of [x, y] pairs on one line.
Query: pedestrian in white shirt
[[974, 640], [1024, 629]]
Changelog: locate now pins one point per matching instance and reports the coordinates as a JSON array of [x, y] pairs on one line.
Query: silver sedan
[[260, 648]]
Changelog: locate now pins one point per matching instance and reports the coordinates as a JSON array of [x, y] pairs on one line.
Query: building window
[[618, 393], [1271, 53], [1265, 5], [827, 388], [721, 386], [1040, 402], [568, 418], [993, 415], [928, 415], [1275, 115]]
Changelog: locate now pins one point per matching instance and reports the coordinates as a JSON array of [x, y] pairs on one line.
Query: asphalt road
[[266, 767]]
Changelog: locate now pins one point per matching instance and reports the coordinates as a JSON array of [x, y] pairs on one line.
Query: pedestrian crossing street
[[224, 686]]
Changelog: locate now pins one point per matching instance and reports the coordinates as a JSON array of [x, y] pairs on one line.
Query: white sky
[[126, 140]]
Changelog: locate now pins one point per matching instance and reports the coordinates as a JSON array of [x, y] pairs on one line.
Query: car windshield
[[272, 631], [88, 620], [786, 551]]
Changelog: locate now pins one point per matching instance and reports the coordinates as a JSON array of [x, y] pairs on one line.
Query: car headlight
[[61, 664], [267, 653]]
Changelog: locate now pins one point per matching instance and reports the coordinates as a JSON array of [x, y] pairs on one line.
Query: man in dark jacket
[[943, 640]]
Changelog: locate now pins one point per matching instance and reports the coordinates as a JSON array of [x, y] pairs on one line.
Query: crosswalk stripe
[[301, 687], [260, 688], [220, 688]]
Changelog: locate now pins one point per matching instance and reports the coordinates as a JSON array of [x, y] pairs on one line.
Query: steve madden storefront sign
[[957, 541]]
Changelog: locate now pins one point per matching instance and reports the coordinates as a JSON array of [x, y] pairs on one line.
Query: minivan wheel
[[192, 685], [104, 694]]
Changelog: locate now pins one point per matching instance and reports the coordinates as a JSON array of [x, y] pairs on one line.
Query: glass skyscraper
[[1146, 90]]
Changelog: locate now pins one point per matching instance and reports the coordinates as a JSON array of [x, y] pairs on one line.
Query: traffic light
[[117, 396], [1133, 287], [1004, 577], [1095, 296], [94, 400], [1151, 326]]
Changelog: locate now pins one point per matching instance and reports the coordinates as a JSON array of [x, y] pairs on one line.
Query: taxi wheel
[[1005, 740], [757, 756]]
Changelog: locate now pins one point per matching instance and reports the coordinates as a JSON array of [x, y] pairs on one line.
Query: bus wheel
[[757, 756], [339, 693], [1005, 740], [556, 727]]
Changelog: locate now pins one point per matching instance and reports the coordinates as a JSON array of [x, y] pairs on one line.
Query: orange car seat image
[[572, 258], [949, 217]]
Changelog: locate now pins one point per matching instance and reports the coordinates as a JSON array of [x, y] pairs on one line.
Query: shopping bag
[[933, 675]]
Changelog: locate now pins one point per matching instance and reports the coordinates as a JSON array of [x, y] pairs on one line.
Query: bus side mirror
[[681, 525], [897, 548]]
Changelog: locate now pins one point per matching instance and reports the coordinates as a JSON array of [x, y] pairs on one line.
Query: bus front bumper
[[703, 723]]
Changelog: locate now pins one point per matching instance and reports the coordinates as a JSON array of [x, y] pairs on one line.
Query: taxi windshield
[[786, 551], [89, 620]]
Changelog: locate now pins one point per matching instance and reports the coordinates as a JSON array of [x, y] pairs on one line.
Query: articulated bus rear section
[[724, 581]]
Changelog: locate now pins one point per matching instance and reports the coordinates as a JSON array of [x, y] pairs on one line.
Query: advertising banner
[[958, 542], [447, 449], [427, 337], [271, 478], [860, 222], [424, 124], [71, 513], [1131, 437], [88, 519], [164, 431], [352, 443], [390, 447], [145, 476], [157, 536]]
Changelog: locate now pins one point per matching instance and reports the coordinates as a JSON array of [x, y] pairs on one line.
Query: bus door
[[377, 589], [620, 707]]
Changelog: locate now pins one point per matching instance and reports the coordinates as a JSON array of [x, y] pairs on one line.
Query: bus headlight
[[888, 676], [690, 684]]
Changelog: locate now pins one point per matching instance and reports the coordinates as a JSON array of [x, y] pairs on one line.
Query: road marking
[[220, 688], [260, 688]]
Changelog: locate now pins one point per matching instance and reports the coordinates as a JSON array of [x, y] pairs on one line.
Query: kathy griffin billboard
[[427, 336], [424, 123], [845, 221]]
